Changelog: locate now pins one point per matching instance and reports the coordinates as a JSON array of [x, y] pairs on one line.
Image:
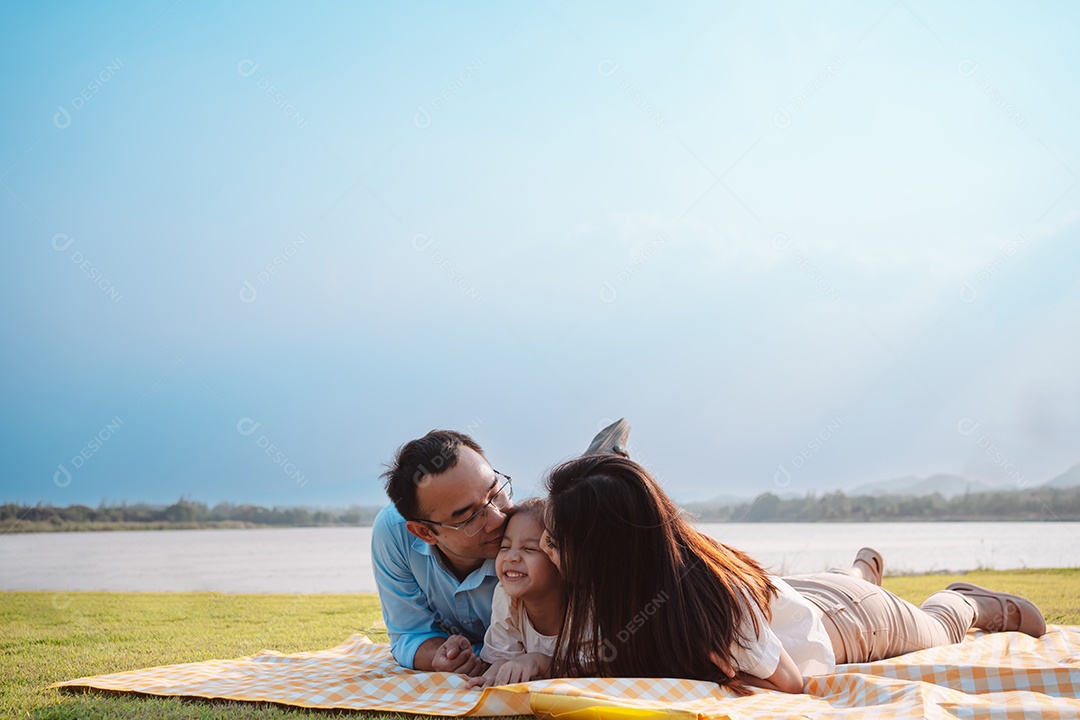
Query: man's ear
[[422, 531]]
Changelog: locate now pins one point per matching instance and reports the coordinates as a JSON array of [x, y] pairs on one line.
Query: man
[[433, 550]]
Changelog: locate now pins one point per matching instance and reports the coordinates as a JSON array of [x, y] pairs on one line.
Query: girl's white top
[[795, 626], [510, 633]]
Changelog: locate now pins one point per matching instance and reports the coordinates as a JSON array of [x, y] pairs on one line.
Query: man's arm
[[425, 654], [410, 621]]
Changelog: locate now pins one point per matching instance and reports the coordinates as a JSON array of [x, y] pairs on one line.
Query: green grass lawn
[[47, 637]]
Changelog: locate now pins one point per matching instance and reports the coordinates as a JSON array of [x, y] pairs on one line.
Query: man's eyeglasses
[[473, 524]]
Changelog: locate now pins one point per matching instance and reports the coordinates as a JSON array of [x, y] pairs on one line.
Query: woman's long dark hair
[[649, 595]]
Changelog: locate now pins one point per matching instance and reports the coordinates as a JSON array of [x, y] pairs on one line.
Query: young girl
[[528, 606], [651, 596]]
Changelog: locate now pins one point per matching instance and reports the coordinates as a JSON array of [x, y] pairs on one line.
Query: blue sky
[[799, 246]]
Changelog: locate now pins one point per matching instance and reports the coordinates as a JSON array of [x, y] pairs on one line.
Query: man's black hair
[[433, 454]]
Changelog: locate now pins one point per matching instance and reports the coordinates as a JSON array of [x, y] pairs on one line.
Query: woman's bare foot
[[869, 565]]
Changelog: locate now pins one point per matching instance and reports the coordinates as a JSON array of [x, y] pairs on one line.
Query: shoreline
[[902, 577], [22, 528]]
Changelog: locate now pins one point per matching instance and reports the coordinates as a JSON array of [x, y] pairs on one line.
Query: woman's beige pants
[[873, 624]]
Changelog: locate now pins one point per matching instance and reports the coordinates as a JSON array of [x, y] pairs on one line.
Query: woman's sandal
[[876, 563], [1028, 619]]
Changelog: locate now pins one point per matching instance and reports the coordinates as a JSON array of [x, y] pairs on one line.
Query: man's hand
[[456, 655], [508, 672]]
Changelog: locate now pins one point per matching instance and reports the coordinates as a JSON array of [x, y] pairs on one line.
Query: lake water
[[338, 560]]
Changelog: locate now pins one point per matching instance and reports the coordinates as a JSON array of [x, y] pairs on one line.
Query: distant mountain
[[948, 486], [1069, 478], [724, 500]]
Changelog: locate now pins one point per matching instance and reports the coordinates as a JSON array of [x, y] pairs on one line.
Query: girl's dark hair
[[649, 594]]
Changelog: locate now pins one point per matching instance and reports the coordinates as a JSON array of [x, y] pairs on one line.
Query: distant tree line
[[182, 513], [1032, 504]]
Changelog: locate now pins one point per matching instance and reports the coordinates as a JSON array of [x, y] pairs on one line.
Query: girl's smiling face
[[521, 564]]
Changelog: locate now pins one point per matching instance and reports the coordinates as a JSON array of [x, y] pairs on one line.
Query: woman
[[651, 596]]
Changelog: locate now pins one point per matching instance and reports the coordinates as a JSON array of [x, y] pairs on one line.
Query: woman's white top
[[510, 633], [796, 626]]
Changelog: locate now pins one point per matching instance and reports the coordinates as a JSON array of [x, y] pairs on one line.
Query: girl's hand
[[510, 672], [514, 671], [488, 678]]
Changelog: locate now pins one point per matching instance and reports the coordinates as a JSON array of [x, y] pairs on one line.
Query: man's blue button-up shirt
[[420, 598]]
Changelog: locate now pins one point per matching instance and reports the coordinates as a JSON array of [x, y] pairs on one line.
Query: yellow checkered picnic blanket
[[1003, 675]]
